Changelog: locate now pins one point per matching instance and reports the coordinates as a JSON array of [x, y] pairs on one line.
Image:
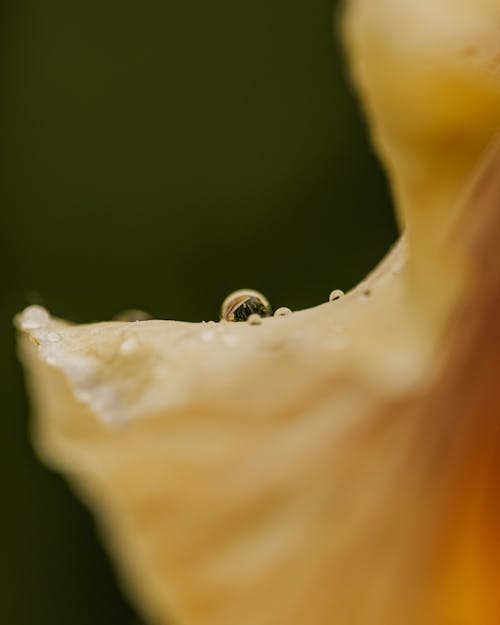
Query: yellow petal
[[216, 454], [337, 465], [429, 75]]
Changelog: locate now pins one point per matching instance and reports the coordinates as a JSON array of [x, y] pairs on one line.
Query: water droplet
[[255, 320], [335, 295], [282, 312], [132, 315], [129, 346], [34, 317], [240, 305], [207, 336], [230, 340], [82, 371]]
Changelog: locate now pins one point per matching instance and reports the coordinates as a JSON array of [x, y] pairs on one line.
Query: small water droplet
[[34, 317], [132, 315], [255, 320], [283, 312], [240, 305], [129, 346], [335, 295], [207, 336], [230, 340]]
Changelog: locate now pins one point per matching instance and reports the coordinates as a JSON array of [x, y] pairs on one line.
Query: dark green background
[[157, 155]]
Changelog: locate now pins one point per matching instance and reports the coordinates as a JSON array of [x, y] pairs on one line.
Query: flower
[[339, 464]]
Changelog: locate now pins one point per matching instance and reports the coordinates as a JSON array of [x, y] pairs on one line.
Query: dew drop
[[207, 336], [255, 320], [230, 340], [132, 315], [129, 346], [335, 295], [283, 312], [34, 317], [240, 305]]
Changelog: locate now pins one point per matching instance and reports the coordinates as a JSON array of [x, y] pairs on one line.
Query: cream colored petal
[[216, 454], [320, 468], [429, 75]]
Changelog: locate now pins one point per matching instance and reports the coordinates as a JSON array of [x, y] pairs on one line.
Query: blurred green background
[[157, 155]]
